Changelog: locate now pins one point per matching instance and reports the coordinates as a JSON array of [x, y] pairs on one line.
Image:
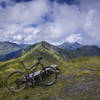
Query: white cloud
[[17, 37], [91, 22], [25, 13], [63, 24]]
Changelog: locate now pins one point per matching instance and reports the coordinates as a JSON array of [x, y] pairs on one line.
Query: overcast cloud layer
[[45, 20]]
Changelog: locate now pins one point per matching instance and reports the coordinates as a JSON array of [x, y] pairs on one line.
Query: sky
[[55, 21]]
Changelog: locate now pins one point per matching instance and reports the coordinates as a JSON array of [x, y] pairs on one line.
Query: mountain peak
[[43, 43], [70, 46]]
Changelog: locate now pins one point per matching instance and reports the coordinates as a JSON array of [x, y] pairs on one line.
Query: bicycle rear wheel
[[16, 81], [48, 76]]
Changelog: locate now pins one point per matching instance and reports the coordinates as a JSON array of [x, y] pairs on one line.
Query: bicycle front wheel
[[16, 81], [48, 75]]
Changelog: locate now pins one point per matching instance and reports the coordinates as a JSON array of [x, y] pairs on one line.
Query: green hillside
[[43, 49], [78, 79], [46, 49]]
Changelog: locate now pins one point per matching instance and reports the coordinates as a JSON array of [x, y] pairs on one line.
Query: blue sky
[[56, 21]]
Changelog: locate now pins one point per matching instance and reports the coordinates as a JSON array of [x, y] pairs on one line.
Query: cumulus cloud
[[25, 13], [63, 23], [91, 21], [54, 22]]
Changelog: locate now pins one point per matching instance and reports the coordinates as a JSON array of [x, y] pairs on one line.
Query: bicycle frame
[[34, 70]]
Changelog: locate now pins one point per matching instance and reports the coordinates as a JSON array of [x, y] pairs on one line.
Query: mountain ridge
[[44, 48], [63, 53]]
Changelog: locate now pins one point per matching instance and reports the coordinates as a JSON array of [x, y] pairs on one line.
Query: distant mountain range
[[50, 52], [70, 46], [9, 50]]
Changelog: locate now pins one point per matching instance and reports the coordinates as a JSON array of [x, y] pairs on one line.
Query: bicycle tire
[[45, 71], [22, 77]]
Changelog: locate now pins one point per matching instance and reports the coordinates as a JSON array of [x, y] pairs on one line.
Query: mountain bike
[[17, 81]]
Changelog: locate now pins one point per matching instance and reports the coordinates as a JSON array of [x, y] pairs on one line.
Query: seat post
[[39, 58]]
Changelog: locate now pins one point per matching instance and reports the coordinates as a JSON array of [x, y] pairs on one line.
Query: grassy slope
[[79, 79]]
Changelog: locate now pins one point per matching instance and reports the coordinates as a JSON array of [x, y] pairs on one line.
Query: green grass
[[78, 79]]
